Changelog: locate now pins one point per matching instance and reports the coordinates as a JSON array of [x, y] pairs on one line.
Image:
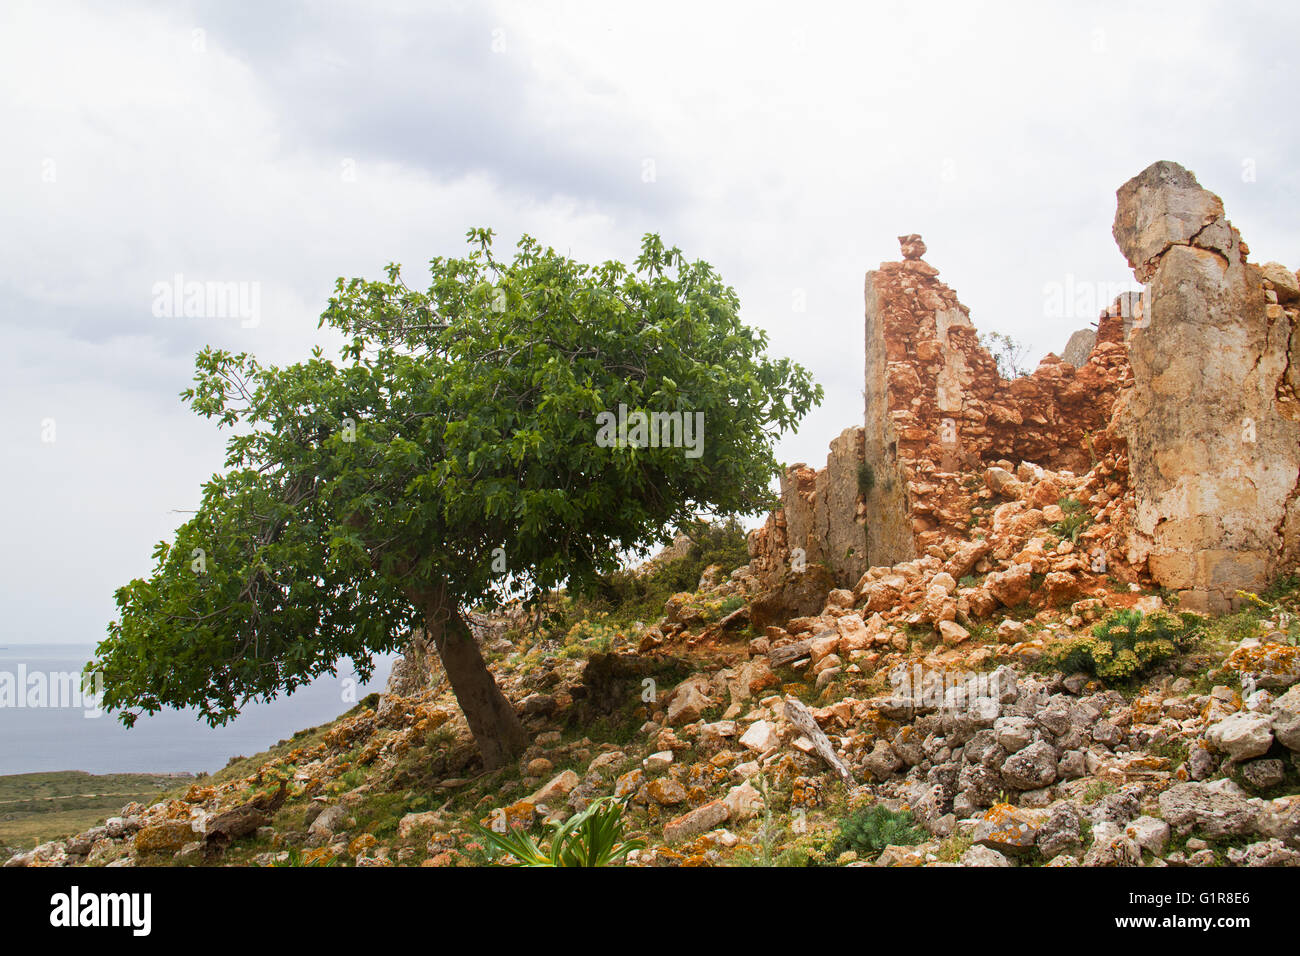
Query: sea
[[74, 736]]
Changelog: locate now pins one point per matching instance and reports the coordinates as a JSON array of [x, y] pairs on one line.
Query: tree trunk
[[492, 719]]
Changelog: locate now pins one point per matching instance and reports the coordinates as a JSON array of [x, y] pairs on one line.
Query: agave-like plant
[[593, 837]]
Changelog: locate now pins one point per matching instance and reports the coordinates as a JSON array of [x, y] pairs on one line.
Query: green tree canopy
[[460, 450]]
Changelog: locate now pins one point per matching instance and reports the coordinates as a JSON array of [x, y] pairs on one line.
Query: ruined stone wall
[[821, 514], [1211, 423], [936, 411], [937, 408], [1181, 419]]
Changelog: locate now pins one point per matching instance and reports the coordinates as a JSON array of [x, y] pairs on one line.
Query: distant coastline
[[54, 739]]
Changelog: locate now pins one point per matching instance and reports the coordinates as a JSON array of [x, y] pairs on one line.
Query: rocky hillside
[[987, 704]]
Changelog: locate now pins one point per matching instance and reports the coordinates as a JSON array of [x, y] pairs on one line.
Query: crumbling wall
[[821, 514], [937, 408], [1179, 416], [1210, 423]]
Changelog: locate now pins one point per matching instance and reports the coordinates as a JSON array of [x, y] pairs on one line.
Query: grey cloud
[[426, 89]]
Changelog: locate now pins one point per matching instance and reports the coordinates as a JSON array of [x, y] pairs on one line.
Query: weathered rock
[[1009, 829], [953, 633], [689, 701], [697, 821], [1002, 482], [882, 762], [666, 792], [83, 843], [799, 593], [165, 837], [1014, 733], [983, 856], [1149, 833], [1031, 768], [1062, 830], [761, 736], [1203, 421], [1079, 347], [1118, 808], [1264, 853], [1242, 735], [1286, 719], [1111, 846], [1270, 664], [1263, 774], [629, 783], [977, 787], [1280, 820], [553, 793], [743, 802], [1011, 587], [1214, 810], [118, 827], [657, 762]]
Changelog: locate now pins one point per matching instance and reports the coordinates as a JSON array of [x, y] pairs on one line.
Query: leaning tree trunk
[[492, 720]]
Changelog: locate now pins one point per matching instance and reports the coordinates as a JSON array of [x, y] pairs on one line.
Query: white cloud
[[790, 146]]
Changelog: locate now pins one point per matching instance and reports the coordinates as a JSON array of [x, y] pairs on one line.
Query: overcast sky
[[280, 145]]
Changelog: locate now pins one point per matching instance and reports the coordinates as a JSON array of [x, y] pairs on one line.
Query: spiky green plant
[[1074, 522], [593, 837]]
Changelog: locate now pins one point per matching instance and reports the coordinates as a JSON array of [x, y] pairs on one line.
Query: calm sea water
[[65, 738]]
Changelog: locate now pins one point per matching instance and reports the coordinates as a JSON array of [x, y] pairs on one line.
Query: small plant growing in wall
[[1007, 353], [866, 479]]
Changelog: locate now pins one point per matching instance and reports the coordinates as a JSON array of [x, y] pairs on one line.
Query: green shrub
[[1125, 645], [589, 636], [870, 830], [628, 596]]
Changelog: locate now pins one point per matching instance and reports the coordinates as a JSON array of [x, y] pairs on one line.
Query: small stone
[[667, 792], [658, 762], [760, 737], [983, 856], [1265, 773], [697, 821], [953, 633], [557, 789], [743, 802], [1149, 833]]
